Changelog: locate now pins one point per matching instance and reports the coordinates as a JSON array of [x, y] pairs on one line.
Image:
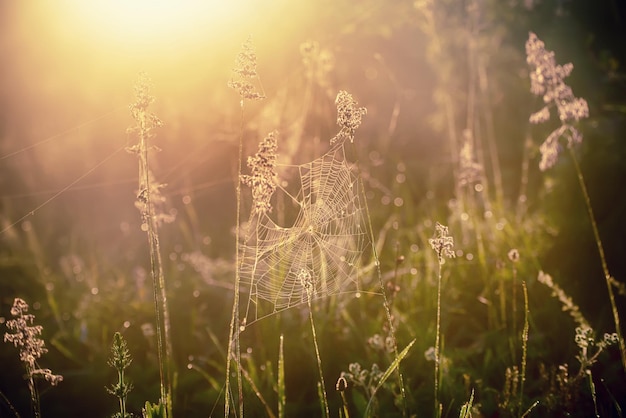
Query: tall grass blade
[[466, 409], [392, 368], [605, 268], [282, 399]]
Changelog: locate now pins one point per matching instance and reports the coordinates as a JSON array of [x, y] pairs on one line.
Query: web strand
[[326, 241], [63, 190]]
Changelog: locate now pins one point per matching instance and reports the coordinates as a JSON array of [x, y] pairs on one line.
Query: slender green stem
[[122, 399], [605, 268], [282, 398], [318, 358], [386, 304], [524, 350], [164, 344], [9, 404], [437, 338], [233, 336], [34, 394]]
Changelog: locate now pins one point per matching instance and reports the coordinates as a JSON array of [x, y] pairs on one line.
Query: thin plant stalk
[[233, 337], [34, 394], [120, 360], [605, 268], [386, 303], [9, 404], [244, 71], [437, 343], [24, 335], [317, 355], [524, 349], [156, 267], [282, 398], [443, 244]]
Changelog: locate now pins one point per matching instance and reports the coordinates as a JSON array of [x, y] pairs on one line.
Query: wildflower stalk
[[546, 80], [349, 118], [25, 337], [307, 283], [282, 398], [524, 349], [437, 338], [120, 360], [146, 122], [443, 245], [233, 337], [386, 304], [605, 268], [244, 71]]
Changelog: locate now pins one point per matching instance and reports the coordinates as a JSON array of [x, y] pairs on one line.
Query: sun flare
[[137, 21]]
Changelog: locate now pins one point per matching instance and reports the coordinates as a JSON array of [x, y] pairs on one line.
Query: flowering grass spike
[[25, 336], [263, 177], [546, 80]]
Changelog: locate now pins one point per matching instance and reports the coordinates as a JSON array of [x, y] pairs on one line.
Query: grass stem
[[605, 268]]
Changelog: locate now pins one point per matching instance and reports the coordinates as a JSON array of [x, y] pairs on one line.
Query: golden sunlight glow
[[152, 22]]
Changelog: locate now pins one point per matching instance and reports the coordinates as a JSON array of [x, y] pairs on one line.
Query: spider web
[[320, 254]]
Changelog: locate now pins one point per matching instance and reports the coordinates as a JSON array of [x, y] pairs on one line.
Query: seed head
[[513, 255], [146, 121], [348, 117], [25, 336], [263, 177], [244, 71], [546, 80], [442, 243]]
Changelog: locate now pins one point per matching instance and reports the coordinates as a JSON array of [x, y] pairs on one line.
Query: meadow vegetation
[[367, 255]]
